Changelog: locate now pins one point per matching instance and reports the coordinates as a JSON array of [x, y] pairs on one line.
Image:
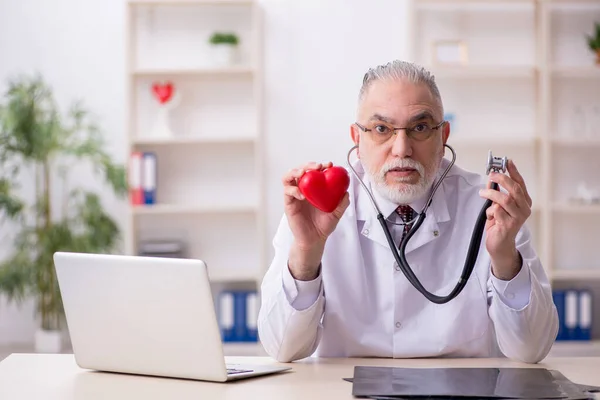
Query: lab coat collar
[[430, 228]]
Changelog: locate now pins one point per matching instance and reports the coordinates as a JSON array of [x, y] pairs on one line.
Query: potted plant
[[38, 147], [224, 46], [594, 42]]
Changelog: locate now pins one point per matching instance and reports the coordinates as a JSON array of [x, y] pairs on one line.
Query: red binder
[[136, 194]]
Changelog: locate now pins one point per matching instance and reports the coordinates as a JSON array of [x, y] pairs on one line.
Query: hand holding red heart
[[326, 187]]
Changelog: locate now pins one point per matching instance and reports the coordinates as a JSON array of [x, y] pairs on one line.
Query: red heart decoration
[[163, 92], [325, 189]]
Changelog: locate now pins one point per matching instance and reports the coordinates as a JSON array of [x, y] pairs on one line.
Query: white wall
[[316, 52]]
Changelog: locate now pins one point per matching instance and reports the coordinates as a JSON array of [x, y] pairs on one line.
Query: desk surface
[[56, 376]]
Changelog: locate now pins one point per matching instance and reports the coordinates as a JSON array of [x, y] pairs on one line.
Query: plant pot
[[48, 341], [224, 55]]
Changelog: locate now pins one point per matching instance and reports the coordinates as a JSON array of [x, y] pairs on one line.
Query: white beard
[[405, 193]]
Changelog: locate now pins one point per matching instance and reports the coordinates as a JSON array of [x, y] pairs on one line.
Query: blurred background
[[159, 127]]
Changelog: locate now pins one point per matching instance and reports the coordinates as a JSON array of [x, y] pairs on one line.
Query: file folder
[[584, 328], [480, 383], [149, 177], [226, 319], [559, 301], [134, 178], [251, 316], [571, 314]]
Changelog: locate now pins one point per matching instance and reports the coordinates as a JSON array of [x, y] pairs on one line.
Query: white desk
[[57, 377]]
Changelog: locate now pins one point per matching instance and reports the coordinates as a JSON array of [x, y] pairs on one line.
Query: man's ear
[[355, 135], [446, 132]]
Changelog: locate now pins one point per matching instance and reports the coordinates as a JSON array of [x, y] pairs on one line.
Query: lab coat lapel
[[430, 229], [365, 211]]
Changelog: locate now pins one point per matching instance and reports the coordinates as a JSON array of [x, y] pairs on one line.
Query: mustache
[[403, 163]]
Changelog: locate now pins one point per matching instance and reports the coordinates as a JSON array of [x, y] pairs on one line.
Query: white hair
[[397, 70]]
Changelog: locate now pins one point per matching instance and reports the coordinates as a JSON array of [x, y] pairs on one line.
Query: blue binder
[[149, 177], [585, 313], [571, 314], [558, 296], [226, 316], [251, 316]]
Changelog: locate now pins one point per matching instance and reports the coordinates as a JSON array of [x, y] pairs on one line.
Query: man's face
[[401, 168]]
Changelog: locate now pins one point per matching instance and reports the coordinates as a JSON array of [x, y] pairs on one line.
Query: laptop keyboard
[[232, 371]]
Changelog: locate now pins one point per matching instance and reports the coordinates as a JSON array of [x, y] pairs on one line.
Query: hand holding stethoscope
[[505, 217]]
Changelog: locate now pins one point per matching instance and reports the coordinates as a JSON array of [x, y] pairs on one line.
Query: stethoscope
[[493, 164]]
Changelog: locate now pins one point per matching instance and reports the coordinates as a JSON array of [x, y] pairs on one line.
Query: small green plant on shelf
[[227, 38], [224, 48], [594, 41]]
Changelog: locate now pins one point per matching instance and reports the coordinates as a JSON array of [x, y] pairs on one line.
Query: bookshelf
[[210, 188], [531, 93]]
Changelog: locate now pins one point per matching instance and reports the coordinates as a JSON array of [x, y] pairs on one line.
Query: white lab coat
[[362, 305]]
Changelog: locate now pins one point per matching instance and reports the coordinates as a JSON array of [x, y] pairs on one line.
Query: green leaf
[[593, 41], [9, 204], [17, 276]]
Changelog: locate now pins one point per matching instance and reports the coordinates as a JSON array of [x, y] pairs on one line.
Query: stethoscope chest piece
[[497, 164]]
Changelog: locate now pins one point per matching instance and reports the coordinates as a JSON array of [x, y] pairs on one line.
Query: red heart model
[[163, 92], [325, 189]]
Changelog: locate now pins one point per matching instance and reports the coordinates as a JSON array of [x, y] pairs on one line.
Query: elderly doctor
[[333, 288]]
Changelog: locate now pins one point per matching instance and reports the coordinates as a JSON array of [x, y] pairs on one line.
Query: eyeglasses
[[381, 132]]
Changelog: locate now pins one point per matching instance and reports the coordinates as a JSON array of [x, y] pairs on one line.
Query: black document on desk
[[472, 383]]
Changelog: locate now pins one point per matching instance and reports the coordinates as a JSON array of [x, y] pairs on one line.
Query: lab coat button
[[365, 232], [396, 266], [436, 233], [398, 324]]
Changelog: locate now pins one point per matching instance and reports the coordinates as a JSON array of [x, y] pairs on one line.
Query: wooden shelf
[[212, 94], [249, 139], [525, 140], [223, 275], [250, 349], [568, 348], [484, 2], [483, 71], [241, 70], [173, 209], [190, 2], [575, 274], [568, 208], [582, 72], [475, 5], [576, 143], [573, 5]]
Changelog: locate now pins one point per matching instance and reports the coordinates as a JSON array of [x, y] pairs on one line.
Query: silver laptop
[[145, 315]]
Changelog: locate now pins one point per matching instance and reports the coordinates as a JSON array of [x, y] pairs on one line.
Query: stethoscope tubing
[[400, 255]]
